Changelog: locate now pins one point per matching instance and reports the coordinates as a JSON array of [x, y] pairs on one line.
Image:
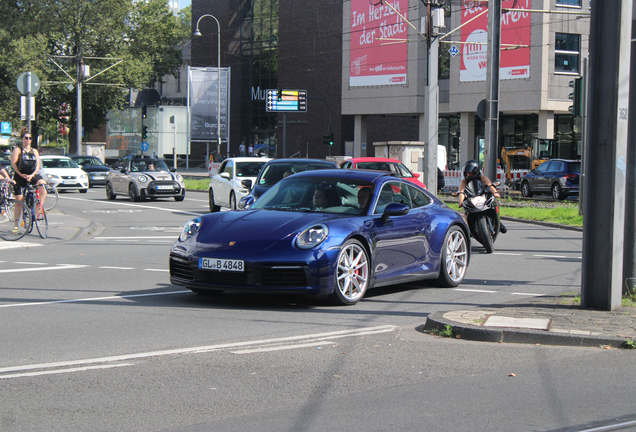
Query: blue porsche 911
[[330, 233]]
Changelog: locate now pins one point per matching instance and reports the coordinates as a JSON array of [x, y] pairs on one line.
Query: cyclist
[[26, 164]]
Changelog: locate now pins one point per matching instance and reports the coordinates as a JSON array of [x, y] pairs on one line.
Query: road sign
[[22, 84], [453, 51], [144, 146], [5, 128], [286, 101]]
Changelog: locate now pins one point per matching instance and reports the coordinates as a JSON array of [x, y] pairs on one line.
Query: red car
[[383, 164]]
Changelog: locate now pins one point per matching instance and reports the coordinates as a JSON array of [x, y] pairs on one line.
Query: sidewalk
[[545, 320]]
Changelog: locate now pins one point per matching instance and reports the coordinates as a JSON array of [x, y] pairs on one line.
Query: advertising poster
[[515, 30], [379, 51], [203, 97]]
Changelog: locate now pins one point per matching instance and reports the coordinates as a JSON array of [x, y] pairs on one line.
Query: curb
[[436, 322], [545, 224]]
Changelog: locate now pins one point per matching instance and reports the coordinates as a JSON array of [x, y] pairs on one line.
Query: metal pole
[[78, 133], [492, 99], [605, 186], [629, 254], [284, 134], [218, 92], [28, 103]]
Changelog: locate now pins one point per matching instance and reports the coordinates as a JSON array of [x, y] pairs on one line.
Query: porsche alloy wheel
[[352, 274], [454, 258]]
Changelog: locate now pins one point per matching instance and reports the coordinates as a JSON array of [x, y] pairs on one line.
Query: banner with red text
[[379, 48], [515, 30]]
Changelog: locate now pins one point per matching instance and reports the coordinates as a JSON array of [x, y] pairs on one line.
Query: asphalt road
[[94, 337]]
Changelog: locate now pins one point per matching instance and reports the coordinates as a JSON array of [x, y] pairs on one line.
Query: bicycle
[[37, 211], [51, 197], [9, 229]]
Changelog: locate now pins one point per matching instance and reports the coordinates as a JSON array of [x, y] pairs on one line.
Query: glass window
[[392, 193], [543, 166], [567, 52], [568, 3], [418, 198]]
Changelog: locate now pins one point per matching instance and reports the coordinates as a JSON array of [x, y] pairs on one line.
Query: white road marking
[[31, 263], [475, 290], [116, 268], [15, 245], [157, 270], [148, 207], [505, 253], [550, 256], [58, 267], [93, 299], [281, 348], [527, 294], [174, 237], [224, 346], [60, 371]]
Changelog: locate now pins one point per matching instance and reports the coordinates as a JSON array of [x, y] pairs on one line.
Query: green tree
[[48, 36]]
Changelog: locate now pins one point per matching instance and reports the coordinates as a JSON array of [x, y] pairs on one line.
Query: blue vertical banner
[[203, 85]]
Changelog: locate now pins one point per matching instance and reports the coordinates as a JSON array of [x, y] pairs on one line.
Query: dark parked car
[[276, 169], [329, 232], [558, 177], [96, 169]]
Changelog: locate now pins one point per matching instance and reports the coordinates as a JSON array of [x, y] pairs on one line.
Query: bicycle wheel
[[51, 197], [40, 221], [9, 229]]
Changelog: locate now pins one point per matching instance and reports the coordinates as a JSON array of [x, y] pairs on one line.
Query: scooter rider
[[470, 185]]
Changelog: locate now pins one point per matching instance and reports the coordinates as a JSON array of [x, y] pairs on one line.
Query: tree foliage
[[47, 37]]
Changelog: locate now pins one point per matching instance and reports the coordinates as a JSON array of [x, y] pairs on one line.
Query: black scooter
[[482, 216]]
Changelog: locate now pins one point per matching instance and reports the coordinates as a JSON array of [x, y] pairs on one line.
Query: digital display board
[[286, 100]]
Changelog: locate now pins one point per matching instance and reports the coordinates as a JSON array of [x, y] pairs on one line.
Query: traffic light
[[577, 97], [328, 139], [144, 132], [144, 111]]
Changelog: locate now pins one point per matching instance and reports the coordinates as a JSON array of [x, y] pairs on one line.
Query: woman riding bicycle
[[26, 163]]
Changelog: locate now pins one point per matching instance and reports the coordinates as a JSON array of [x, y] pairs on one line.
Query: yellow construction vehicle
[[526, 157]]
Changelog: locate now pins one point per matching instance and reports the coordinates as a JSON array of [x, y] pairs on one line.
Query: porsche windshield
[[320, 194]]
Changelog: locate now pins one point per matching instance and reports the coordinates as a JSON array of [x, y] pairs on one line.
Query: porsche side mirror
[[394, 209], [246, 202], [416, 175], [225, 175], [122, 170], [247, 184]]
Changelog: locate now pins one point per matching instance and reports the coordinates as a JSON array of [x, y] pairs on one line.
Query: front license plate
[[68, 182], [164, 187], [221, 264]]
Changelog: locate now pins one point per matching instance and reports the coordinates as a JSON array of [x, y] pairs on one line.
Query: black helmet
[[471, 170]]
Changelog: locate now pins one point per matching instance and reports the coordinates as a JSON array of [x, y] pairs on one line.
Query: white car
[[233, 181], [63, 173]]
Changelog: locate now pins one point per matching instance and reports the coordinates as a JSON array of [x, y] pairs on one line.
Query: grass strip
[[567, 214]]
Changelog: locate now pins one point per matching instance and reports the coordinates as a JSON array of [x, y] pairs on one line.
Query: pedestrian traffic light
[[144, 111], [144, 132], [577, 97], [328, 139]]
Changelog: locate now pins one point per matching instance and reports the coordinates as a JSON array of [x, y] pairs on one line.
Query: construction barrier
[[454, 177]]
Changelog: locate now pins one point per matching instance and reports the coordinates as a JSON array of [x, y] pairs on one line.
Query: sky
[[184, 3]]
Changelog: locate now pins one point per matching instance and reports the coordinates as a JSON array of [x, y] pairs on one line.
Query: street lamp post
[[197, 33]]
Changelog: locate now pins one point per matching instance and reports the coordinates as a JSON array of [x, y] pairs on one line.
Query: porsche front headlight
[[190, 228], [312, 236]]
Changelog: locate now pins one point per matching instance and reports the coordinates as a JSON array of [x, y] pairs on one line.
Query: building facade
[[301, 44]]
